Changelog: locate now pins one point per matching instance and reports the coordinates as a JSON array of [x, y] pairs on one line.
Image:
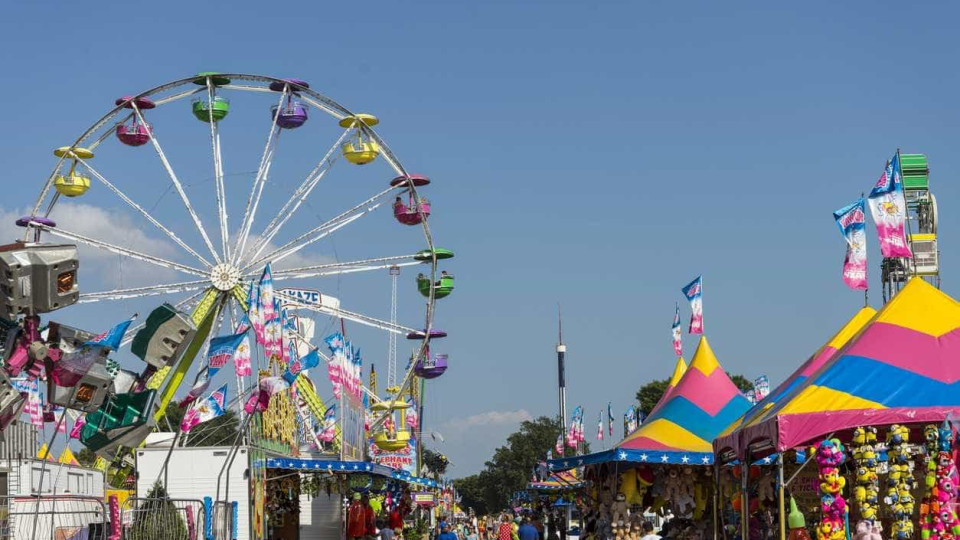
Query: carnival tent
[[728, 440], [901, 368], [701, 405]]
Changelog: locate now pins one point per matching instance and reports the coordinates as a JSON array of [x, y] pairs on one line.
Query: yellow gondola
[[72, 184], [361, 150], [398, 442]]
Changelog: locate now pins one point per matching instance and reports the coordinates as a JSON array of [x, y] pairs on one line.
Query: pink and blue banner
[[222, 350], [677, 333], [889, 210], [852, 224], [111, 338], [215, 405], [694, 293]]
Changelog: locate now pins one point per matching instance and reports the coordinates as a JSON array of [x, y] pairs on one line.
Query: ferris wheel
[[145, 188]]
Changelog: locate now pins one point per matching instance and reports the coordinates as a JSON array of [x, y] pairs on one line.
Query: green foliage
[[512, 465], [219, 431], [435, 462], [471, 489], [418, 531], [86, 457], [649, 394], [156, 518]]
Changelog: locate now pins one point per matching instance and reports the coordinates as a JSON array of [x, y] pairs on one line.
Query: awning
[[347, 467]]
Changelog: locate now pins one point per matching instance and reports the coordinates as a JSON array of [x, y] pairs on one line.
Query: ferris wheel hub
[[225, 276]]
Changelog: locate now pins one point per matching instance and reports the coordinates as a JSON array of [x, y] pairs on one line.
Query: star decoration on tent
[[766, 460], [705, 460], [685, 459], [643, 457], [664, 458], [622, 456]]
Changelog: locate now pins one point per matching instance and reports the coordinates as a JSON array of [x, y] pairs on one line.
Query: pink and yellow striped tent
[[901, 368], [679, 429], [678, 371], [727, 439]]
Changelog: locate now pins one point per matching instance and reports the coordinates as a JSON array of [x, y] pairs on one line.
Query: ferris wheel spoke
[[298, 197], [184, 304], [256, 190], [334, 109], [100, 244], [351, 316], [366, 265], [218, 173], [139, 292], [106, 134], [177, 185], [321, 231], [143, 212]]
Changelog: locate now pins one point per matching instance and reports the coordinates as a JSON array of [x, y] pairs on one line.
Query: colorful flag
[[851, 221], [241, 359], [413, 415], [198, 390], [599, 425], [335, 367], [78, 427], [558, 447], [311, 360], [260, 400], [677, 332], [694, 293], [630, 421], [215, 405], [761, 387], [889, 209], [254, 317], [610, 418], [222, 350], [328, 431], [112, 337]]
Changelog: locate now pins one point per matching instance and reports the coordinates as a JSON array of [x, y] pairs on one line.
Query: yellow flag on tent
[[67, 457], [43, 453]]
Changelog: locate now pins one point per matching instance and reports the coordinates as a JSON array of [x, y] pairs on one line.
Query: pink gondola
[[134, 132], [411, 213]]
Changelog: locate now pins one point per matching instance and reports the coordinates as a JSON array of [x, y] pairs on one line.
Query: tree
[[157, 518], [86, 457], [649, 394], [219, 431], [471, 489], [435, 462], [513, 464]]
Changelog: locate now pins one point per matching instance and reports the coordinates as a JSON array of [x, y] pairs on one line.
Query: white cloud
[[487, 419]]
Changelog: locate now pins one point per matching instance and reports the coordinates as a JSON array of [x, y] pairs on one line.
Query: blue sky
[[599, 155]]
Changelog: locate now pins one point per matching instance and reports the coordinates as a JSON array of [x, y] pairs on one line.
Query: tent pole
[[744, 498], [783, 515]]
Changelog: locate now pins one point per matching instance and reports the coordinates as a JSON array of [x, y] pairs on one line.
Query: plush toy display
[[672, 485], [867, 489], [938, 517], [900, 481], [833, 521], [619, 510]]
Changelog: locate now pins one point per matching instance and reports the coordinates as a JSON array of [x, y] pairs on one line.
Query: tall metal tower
[[392, 350], [561, 370]]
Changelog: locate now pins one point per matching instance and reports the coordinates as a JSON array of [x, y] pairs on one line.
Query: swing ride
[[222, 262]]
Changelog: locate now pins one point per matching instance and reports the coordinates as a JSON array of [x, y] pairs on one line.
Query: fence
[[162, 519], [223, 520], [53, 518]]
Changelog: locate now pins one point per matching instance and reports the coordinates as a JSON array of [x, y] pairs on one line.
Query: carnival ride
[[122, 406]]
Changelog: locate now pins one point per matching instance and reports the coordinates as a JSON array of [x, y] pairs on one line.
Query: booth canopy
[[557, 481], [728, 439], [901, 368], [679, 431], [347, 467]]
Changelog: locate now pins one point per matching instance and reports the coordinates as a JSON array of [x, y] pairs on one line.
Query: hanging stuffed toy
[[867, 487], [900, 481], [833, 521]]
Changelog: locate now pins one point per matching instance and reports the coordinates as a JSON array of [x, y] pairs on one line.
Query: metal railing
[[223, 520], [53, 518], [162, 519]]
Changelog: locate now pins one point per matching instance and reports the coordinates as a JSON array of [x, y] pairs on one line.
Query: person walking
[[527, 531], [446, 533], [647, 529], [505, 531]]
